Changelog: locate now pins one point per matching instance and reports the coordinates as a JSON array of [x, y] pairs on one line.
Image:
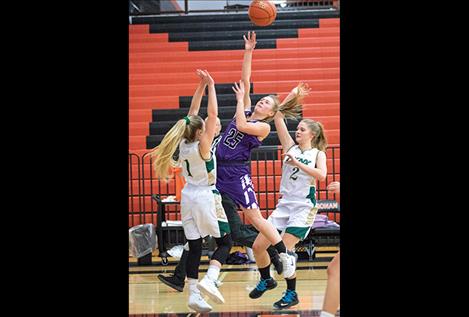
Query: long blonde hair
[[319, 141], [163, 153], [292, 108]]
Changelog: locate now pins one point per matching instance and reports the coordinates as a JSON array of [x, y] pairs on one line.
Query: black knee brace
[[273, 253], [193, 261], [223, 248]]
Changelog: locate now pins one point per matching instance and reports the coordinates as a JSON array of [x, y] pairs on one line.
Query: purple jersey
[[235, 145], [234, 168]]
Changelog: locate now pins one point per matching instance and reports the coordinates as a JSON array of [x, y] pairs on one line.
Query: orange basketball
[[262, 12]]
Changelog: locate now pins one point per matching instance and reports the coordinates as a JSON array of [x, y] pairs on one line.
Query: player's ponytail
[[163, 153], [292, 108]]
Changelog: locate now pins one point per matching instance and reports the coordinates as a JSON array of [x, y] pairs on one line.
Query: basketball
[[262, 12]]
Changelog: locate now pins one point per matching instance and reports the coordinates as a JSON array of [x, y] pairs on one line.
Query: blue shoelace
[[289, 296], [262, 285]]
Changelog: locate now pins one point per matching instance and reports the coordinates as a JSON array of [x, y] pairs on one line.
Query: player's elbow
[[241, 126], [321, 176], [212, 113]]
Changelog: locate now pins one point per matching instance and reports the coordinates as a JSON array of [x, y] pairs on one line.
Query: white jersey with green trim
[[295, 182], [195, 169]]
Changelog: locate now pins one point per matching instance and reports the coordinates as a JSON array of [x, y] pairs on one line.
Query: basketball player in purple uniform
[[245, 133]]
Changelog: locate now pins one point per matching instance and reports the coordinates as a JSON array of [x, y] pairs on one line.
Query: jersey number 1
[[187, 167]]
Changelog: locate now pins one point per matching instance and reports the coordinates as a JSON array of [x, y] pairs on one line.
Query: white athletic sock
[[326, 314], [213, 272], [193, 285]]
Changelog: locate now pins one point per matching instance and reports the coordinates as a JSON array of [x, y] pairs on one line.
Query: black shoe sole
[[288, 306], [178, 288], [268, 288]]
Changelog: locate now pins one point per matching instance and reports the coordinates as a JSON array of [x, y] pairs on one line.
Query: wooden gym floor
[[148, 297]]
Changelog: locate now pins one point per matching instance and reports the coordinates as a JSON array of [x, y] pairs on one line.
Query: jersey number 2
[[293, 175]]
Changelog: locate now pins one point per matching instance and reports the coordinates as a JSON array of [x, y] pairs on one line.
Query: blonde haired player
[[242, 135], [201, 210], [304, 164]]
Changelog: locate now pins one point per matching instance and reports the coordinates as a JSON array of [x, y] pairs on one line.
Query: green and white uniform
[[296, 209], [201, 209]]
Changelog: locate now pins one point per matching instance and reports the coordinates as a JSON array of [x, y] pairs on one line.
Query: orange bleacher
[[161, 71]]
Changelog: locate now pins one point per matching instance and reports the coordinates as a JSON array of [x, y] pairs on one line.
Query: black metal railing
[[132, 205], [266, 167]]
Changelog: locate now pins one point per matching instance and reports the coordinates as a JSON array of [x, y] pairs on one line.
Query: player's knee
[[254, 216], [195, 247], [258, 248], [224, 245]]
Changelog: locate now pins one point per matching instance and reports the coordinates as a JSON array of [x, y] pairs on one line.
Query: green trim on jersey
[[188, 168], [210, 165], [299, 232], [224, 228], [312, 194], [215, 191]]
